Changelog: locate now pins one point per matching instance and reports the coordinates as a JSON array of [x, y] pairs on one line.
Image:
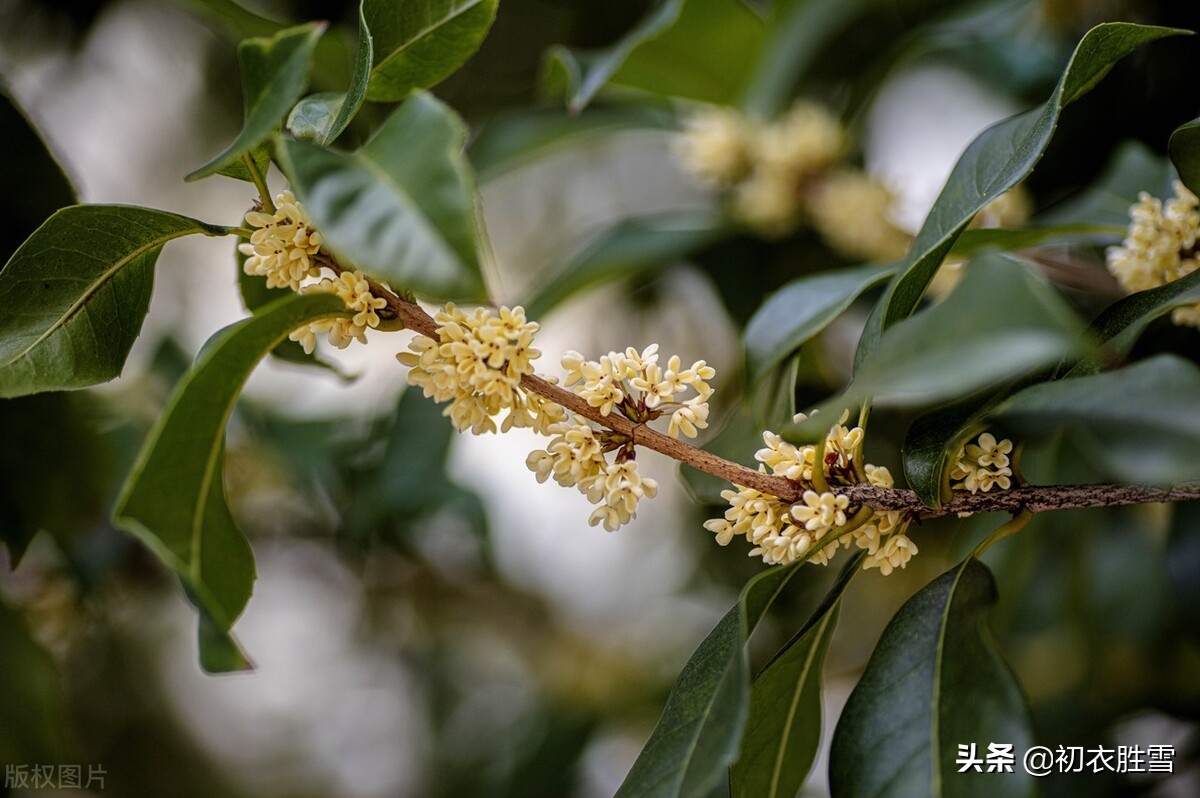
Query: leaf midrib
[[94, 288], [935, 747], [426, 31], [777, 772]]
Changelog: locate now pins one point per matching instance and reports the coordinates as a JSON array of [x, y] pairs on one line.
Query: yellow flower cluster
[[782, 533], [783, 174], [283, 244], [283, 248], [639, 387], [983, 465], [476, 364], [1161, 246]]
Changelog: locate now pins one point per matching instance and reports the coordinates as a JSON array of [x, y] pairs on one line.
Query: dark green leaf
[[418, 43], [73, 297], [1119, 326], [1003, 320], [256, 295], [32, 701], [519, 137], [697, 738], [783, 731], [800, 310], [1142, 418], [1133, 168], [935, 681], [631, 247], [321, 118], [174, 498], [930, 442], [798, 30], [34, 184], [36, 491], [238, 20], [404, 207], [686, 48], [998, 159], [274, 73], [1185, 153], [973, 241]]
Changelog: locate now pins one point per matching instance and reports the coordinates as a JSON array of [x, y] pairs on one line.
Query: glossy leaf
[[1141, 419], [403, 207], [274, 73], [418, 43], [697, 738], [632, 247], [974, 241], [934, 682], [256, 295], [1185, 153], [174, 498], [32, 701], [687, 48], [998, 159], [34, 184], [1002, 321], [800, 310], [238, 20], [1120, 325], [783, 731], [932, 440], [321, 118], [73, 297]]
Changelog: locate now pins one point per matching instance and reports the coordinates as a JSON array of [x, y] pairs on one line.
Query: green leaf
[[630, 248], [34, 184], [36, 492], [800, 310], [998, 159], [1141, 419], [1133, 168], [697, 738], [32, 700], [418, 43], [974, 241], [685, 48], [174, 498], [404, 207], [1120, 325], [1184, 148], [783, 731], [73, 297], [1003, 320], [274, 73], [519, 137], [934, 682], [237, 20], [321, 118], [930, 442], [256, 295]]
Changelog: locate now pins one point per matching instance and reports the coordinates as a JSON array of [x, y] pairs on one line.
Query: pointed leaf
[[685, 48], [630, 248], [274, 73], [402, 208], [419, 43], [174, 498], [934, 682], [931, 441], [1185, 153], [1142, 418], [697, 737], [783, 731], [998, 159], [1002, 321], [321, 118], [800, 310], [34, 184], [73, 297]]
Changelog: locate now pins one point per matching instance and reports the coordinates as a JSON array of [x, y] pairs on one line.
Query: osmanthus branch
[[1031, 498]]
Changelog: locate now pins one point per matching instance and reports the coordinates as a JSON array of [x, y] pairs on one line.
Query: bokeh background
[[428, 620]]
